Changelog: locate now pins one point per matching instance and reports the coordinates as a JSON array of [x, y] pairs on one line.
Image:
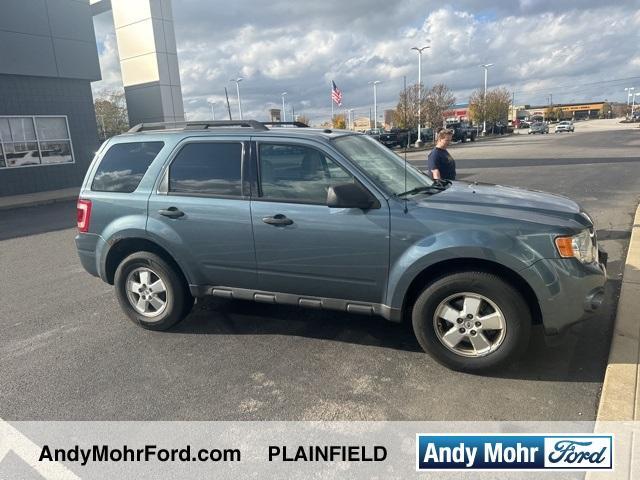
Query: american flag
[[336, 95]]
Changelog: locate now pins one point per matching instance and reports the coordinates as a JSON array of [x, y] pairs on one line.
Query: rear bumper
[[87, 244], [567, 291]]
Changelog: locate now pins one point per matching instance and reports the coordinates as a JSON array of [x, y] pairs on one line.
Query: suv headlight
[[581, 246]]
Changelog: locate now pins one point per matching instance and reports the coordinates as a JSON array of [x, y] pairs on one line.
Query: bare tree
[[111, 114], [303, 119], [434, 102], [406, 112], [438, 100]]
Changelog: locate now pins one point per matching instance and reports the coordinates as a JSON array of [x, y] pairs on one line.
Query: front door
[[304, 247], [202, 211]]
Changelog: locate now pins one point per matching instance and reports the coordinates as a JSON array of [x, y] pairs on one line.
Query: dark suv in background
[[329, 219]]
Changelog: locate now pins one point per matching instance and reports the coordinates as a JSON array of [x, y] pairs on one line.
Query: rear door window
[[207, 168], [124, 165]]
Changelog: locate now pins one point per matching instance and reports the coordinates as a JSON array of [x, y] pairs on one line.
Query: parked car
[[400, 137], [331, 219], [539, 127], [374, 132], [462, 131], [564, 126]]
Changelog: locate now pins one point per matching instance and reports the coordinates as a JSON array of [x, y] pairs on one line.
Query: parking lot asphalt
[[67, 352]]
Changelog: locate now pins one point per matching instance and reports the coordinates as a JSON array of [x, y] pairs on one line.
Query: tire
[[176, 298], [473, 137], [502, 345], [464, 138]]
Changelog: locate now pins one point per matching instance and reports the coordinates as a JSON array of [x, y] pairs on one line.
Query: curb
[[41, 198], [620, 399]]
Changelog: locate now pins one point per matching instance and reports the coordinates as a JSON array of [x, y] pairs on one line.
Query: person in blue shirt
[[440, 163]]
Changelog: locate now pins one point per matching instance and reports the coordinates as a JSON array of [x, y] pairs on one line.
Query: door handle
[[171, 212], [277, 220]]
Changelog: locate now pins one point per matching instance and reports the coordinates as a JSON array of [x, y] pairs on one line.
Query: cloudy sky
[[576, 50]]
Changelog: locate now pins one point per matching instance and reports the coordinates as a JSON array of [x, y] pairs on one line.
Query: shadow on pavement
[[26, 221], [577, 357]]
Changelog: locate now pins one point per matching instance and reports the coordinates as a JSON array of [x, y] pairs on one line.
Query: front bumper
[[567, 290]]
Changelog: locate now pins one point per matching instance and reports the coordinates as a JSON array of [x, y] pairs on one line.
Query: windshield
[[380, 164]]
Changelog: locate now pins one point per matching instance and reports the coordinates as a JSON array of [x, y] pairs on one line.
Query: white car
[[565, 127]]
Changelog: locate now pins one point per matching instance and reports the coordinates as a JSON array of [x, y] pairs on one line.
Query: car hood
[[503, 201]]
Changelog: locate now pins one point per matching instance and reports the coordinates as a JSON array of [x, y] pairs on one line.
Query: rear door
[[201, 210], [304, 247]]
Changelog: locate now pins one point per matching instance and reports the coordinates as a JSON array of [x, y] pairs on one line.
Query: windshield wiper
[[436, 187]]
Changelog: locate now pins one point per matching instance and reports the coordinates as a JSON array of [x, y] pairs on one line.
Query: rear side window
[[124, 165], [207, 168]]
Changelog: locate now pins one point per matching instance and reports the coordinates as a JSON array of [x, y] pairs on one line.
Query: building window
[[34, 140]]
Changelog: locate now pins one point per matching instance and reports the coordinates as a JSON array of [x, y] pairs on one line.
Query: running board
[[304, 301]]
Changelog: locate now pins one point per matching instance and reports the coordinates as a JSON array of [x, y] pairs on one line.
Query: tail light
[[84, 215]]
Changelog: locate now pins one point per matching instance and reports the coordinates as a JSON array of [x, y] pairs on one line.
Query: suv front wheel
[[471, 321], [151, 292]]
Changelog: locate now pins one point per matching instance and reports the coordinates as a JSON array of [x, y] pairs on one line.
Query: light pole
[[633, 104], [484, 100], [375, 103], [284, 113], [237, 81], [350, 125], [213, 113], [419, 50], [629, 91]]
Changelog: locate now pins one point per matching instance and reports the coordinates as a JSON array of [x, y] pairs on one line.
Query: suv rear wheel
[[151, 292], [471, 321]]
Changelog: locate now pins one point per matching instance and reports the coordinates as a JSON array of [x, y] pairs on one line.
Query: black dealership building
[[48, 60]]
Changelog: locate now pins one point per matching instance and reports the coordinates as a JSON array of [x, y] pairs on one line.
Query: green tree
[[494, 108], [339, 121], [111, 114], [498, 102], [476, 107]]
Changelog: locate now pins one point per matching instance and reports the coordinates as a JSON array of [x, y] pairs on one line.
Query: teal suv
[[332, 220]]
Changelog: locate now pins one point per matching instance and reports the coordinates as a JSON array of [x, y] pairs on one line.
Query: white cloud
[[538, 47]]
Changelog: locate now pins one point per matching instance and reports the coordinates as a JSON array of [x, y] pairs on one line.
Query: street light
[[375, 103], [284, 113], [629, 91], [349, 124], [484, 101], [237, 81], [419, 50], [633, 104], [213, 113]]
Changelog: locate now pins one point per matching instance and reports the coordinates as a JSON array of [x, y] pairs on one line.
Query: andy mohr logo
[[514, 452]]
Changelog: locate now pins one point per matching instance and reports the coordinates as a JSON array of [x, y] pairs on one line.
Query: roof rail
[[277, 124], [197, 125]]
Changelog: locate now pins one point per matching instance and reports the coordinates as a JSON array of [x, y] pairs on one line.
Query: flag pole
[[331, 100]]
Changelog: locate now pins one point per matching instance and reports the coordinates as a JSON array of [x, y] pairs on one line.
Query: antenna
[[407, 145]]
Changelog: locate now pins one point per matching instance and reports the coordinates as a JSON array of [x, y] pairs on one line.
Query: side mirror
[[351, 195]]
